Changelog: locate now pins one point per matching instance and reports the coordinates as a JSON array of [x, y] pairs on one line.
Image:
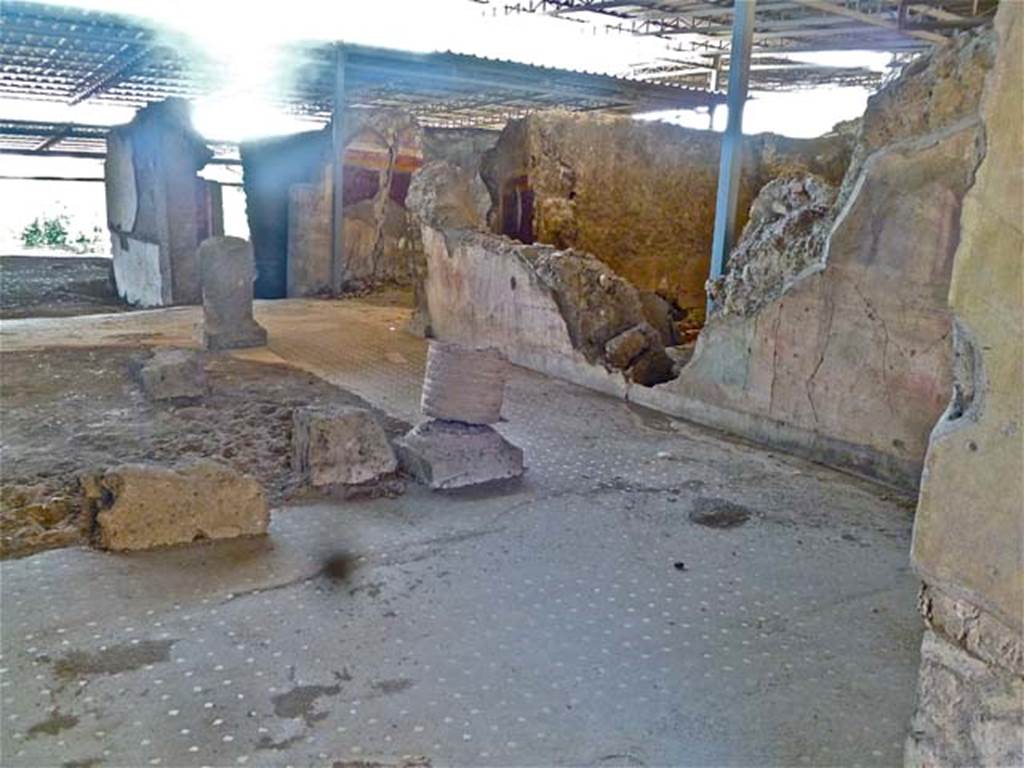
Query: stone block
[[463, 384], [309, 240], [141, 506], [446, 195], [655, 366], [620, 351], [227, 274], [446, 454], [661, 316], [173, 373], [340, 446]]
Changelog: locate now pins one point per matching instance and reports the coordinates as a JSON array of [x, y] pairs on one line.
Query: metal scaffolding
[[71, 55], [699, 31]]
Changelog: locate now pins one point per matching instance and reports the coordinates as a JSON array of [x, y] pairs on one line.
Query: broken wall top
[[935, 90], [638, 195], [169, 117], [934, 93]]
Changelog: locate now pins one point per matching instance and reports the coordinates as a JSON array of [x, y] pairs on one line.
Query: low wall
[[852, 365], [479, 292]]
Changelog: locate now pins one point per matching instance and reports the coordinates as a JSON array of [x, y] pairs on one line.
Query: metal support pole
[[732, 140], [714, 76], [338, 181]]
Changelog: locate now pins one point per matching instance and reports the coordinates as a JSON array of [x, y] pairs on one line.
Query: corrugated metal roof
[[71, 55]]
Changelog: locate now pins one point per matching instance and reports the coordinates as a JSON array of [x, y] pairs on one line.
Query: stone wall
[[640, 196], [561, 312], [289, 185], [969, 531], [851, 363], [270, 167], [158, 209]]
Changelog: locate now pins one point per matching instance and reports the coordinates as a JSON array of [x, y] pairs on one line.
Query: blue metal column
[[338, 180], [732, 140]]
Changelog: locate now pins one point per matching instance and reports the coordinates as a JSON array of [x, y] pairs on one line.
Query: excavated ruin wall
[[561, 312], [969, 530], [289, 192], [269, 168], [480, 293], [158, 209], [852, 364], [640, 196]]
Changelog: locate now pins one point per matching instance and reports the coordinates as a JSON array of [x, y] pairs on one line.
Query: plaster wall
[[969, 530], [853, 362]]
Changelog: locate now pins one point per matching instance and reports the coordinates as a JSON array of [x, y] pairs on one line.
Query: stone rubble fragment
[[227, 273], [335, 445], [142, 506], [450, 454], [445, 195], [622, 350], [785, 237], [172, 374], [653, 367]]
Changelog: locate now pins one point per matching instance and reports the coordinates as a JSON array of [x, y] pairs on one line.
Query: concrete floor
[[578, 616]]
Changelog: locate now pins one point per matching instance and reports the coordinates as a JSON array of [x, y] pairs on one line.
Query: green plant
[[32, 235], [53, 232]]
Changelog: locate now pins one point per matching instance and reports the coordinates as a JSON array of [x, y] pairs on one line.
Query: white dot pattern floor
[[576, 617]]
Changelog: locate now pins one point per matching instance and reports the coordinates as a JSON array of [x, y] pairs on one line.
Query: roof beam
[[55, 138], [827, 6], [109, 75]]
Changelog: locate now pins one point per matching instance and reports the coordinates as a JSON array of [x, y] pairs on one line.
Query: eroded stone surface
[[932, 91], [36, 516], [340, 445], [544, 308], [638, 196], [444, 195], [975, 630], [173, 373], [463, 384], [446, 454], [789, 223], [227, 276], [968, 712], [623, 349], [595, 302], [141, 506]]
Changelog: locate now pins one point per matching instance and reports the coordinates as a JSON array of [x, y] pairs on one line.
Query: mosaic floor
[[594, 613]]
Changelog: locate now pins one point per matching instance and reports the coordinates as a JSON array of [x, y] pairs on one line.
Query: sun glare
[[248, 67]]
